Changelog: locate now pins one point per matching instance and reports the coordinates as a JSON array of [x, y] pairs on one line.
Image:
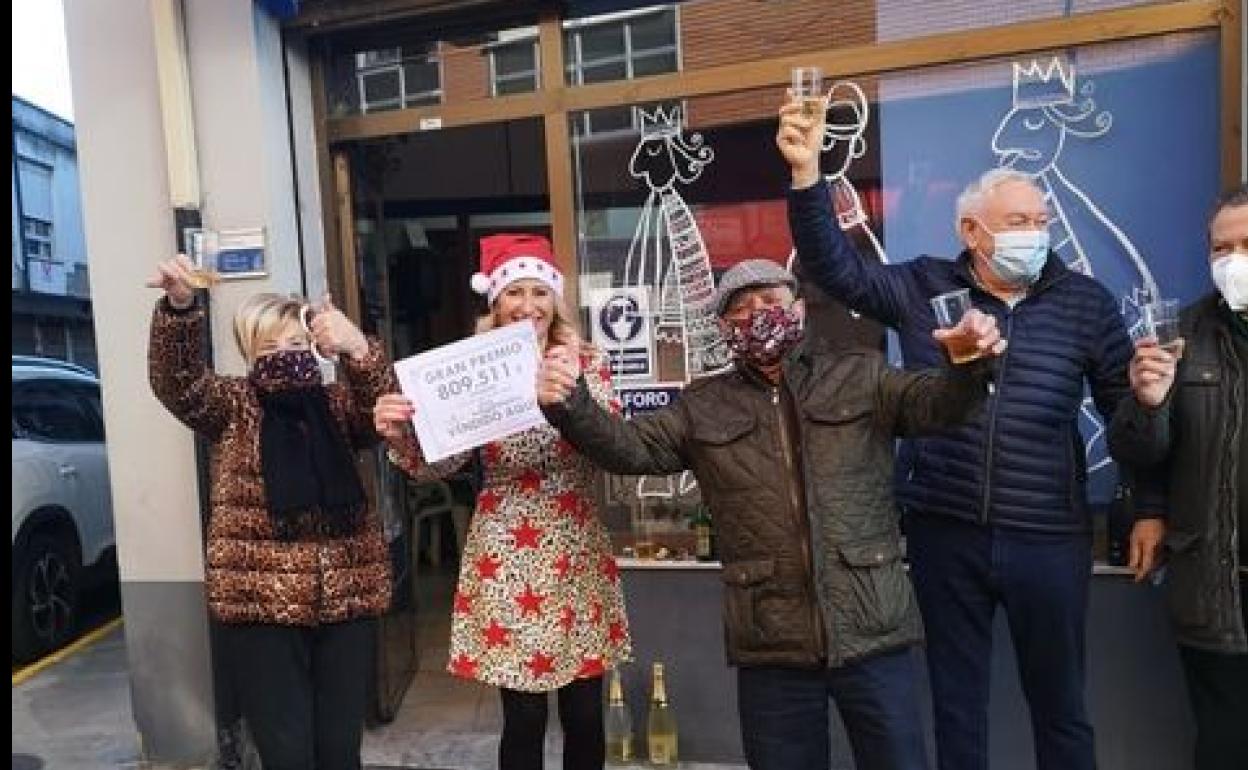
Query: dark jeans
[[524, 727], [784, 714], [1218, 687], [303, 691], [961, 572]]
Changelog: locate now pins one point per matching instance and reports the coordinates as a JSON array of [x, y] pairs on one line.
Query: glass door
[[418, 206]]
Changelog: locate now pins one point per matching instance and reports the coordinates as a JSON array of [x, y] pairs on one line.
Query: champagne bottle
[[619, 724], [661, 726], [704, 543]]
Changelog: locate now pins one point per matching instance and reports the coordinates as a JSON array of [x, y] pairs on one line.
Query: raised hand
[[557, 375], [174, 277], [800, 139], [333, 333]]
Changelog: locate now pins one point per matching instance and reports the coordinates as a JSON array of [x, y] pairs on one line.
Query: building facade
[[51, 286], [373, 143]]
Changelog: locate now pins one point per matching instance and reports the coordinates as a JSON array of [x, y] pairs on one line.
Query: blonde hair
[[563, 329], [260, 317]]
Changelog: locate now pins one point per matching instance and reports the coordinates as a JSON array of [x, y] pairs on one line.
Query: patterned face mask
[[286, 369], [764, 337]]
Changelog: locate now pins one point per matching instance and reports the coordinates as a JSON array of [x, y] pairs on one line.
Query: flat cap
[[748, 274]]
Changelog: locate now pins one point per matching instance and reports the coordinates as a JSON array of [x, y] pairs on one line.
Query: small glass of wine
[[202, 248], [808, 89], [949, 309]]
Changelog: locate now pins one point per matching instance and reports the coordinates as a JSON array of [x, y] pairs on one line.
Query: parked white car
[[62, 501]]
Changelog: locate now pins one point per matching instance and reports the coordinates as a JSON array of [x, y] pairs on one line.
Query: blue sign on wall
[[640, 400]]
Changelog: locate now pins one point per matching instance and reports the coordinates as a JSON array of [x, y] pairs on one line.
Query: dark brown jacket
[[810, 544], [251, 576], [1192, 444]]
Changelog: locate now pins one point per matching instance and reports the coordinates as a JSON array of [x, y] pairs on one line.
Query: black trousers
[[303, 691], [1218, 687], [524, 727]]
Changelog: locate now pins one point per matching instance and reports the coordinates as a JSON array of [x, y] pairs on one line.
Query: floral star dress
[[538, 603]]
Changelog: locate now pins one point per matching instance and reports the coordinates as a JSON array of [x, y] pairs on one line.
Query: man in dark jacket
[[792, 451], [1192, 432], [996, 508]]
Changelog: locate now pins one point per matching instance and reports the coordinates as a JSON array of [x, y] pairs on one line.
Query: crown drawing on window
[[1037, 84], [660, 123]]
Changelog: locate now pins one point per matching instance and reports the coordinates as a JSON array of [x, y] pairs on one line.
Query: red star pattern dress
[[538, 602]]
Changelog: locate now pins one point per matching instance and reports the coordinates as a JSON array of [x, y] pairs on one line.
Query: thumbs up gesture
[[333, 333]]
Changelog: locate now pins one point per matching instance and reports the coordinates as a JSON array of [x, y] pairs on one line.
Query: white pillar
[[240, 140], [129, 226]]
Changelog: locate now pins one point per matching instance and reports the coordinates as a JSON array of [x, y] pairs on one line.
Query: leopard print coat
[[252, 577]]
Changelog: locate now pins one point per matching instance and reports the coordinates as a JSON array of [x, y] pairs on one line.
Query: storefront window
[[699, 185], [422, 202]]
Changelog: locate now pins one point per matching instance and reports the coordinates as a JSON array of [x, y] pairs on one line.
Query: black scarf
[[310, 481]]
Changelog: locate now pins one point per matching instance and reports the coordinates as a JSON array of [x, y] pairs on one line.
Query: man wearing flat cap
[[793, 452]]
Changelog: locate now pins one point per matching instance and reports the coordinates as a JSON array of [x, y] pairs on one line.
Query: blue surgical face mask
[[1018, 256]]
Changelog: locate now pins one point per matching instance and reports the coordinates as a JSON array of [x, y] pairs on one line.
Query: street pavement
[[75, 715]]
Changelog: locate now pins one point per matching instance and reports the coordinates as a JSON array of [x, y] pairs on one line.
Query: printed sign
[[650, 399], [473, 391], [621, 326], [228, 254]]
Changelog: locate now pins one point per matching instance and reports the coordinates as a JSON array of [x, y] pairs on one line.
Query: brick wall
[[722, 32], [717, 32], [465, 73]]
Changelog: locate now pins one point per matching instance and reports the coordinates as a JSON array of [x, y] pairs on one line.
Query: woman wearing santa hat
[[538, 607]]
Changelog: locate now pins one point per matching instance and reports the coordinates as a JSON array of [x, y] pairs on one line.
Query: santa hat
[[508, 258]]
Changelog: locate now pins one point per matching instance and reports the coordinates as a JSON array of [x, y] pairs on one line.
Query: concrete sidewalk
[[75, 715]]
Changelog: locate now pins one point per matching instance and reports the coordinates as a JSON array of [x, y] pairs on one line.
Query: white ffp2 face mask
[[1230, 275]]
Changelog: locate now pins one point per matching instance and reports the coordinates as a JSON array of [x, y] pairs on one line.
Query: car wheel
[[45, 596]]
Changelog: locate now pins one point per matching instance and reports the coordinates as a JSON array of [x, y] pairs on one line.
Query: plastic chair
[[430, 500]]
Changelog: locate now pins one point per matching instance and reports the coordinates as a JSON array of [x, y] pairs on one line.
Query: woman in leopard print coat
[[296, 566]]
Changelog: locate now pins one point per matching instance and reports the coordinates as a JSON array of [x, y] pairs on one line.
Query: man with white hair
[[996, 508]]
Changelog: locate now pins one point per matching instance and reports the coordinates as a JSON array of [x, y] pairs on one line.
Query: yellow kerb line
[[86, 641]]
